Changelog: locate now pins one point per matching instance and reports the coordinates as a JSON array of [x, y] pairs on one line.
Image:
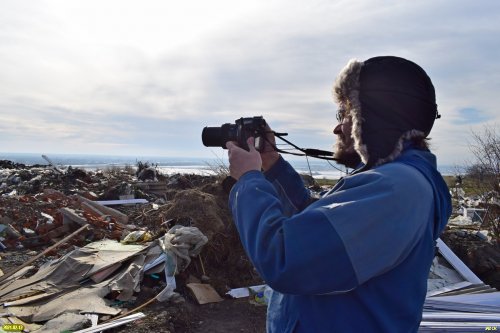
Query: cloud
[[132, 77]]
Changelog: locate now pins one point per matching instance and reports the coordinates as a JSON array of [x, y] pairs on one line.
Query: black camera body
[[240, 131]]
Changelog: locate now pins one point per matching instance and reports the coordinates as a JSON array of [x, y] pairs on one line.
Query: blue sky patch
[[471, 116]]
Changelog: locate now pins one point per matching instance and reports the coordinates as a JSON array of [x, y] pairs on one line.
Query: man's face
[[344, 146]]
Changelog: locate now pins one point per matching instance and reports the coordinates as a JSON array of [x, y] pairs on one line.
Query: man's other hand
[[242, 161]]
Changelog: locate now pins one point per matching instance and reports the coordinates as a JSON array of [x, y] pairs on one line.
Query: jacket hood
[[390, 100]]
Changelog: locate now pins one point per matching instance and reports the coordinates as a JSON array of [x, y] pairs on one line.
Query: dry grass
[[115, 170], [218, 168]]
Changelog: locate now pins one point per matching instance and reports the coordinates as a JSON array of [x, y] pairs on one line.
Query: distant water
[[171, 165]]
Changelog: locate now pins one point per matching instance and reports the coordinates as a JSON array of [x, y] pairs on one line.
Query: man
[[356, 260]]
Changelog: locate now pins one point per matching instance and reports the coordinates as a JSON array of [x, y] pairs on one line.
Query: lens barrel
[[212, 137], [218, 136]]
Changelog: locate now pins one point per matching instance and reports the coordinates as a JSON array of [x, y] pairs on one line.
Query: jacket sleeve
[[361, 230], [286, 251], [289, 186]]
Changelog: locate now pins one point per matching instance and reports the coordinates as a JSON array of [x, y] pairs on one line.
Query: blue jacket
[[358, 259]]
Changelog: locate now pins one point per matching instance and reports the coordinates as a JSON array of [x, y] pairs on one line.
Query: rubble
[[473, 233], [67, 252], [164, 246]]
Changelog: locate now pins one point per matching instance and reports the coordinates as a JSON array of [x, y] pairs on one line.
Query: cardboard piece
[[204, 293]]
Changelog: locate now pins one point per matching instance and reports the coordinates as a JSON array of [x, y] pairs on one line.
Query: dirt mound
[[200, 209]]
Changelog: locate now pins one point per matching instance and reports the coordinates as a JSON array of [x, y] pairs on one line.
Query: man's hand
[[269, 154], [242, 161]]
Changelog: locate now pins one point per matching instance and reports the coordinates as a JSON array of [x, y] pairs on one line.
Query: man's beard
[[345, 154]]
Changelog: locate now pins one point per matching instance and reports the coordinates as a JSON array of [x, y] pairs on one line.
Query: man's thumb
[[251, 144]]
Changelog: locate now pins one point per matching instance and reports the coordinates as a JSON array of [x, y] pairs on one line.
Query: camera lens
[[212, 136], [218, 136]]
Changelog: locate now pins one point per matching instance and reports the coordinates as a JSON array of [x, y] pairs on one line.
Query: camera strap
[[311, 152]]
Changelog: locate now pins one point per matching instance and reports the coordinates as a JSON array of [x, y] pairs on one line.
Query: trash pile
[[85, 250], [473, 233]]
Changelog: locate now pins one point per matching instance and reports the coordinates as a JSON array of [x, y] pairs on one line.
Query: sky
[[143, 78]]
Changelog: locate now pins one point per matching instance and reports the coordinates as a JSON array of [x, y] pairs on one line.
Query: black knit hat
[[390, 100]]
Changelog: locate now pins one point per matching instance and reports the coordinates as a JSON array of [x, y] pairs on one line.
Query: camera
[[240, 131]]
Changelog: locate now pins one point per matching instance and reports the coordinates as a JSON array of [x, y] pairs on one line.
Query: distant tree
[[480, 177], [485, 173], [485, 147]]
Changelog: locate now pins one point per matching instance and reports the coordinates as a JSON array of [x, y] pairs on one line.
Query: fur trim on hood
[[390, 100]]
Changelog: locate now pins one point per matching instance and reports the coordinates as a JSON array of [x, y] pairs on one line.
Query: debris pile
[[473, 233], [87, 250], [81, 248]]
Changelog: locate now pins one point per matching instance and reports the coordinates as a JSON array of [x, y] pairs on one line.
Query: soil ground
[[231, 315]]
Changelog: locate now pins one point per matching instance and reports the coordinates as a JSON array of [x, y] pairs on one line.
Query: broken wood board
[[82, 300], [104, 210], [29, 299], [70, 270], [19, 274]]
